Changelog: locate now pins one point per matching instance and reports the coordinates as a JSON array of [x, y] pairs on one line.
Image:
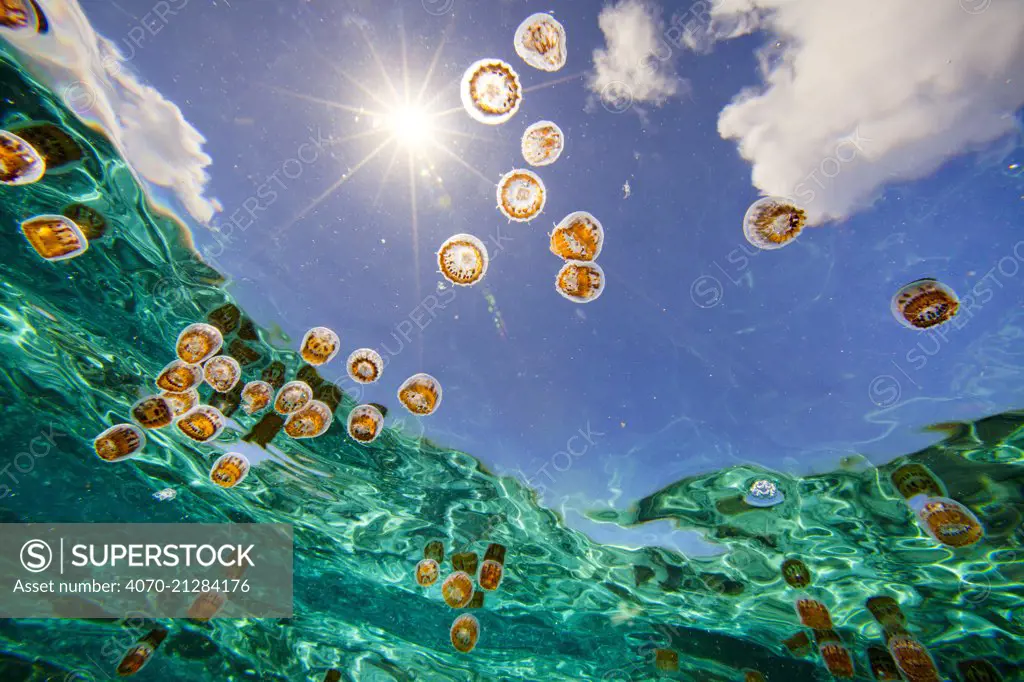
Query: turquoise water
[[83, 339]]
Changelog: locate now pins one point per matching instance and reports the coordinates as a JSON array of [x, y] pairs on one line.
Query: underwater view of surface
[[612, 341]]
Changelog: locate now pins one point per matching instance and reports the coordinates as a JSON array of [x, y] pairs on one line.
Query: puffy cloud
[[92, 76], [860, 93]]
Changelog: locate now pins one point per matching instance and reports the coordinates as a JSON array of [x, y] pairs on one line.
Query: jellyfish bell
[[19, 15], [222, 373], [463, 259], [799, 644], [202, 424], [420, 394], [913, 659], [427, 572], [521, 195], [136, 658], [579, 237], [256, 396], [915, 479], [813, 614], [465, 632], [179, 376], [580, 282], [772, 222], [153, 412], [181, 402], [924, 304], [198, 342], [310, 421], [795, 573], [949, 522], [365, 423], [365, 366], [490, 575], [54, 237], [837, 659], [20, 163], [764, 493], [542, 143], [119, 442], [292, 397], [319, 346], [540, 42], [457, 589], [491, 92], [207, 605], [229, 470]]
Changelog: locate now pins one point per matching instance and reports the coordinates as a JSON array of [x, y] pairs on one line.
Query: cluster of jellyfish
[[492, 94], [458, 591]]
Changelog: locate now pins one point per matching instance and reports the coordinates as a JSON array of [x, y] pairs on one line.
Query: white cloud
[[636, 63], [92, 75], [918, 81]]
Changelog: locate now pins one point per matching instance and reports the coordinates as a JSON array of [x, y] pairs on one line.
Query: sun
[[412, 126]]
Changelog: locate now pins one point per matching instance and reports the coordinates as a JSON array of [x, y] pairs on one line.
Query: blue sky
[[702, 353]]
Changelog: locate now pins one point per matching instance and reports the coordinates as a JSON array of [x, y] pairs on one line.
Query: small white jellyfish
[[202, 423], [292, 397], [543, 143], [764, 493], [256, 396], [365, 366], [772, 222], [521, 195], [20, 163], [319, 346], [540, 41], [229, 470], [579, 236], [54, 237], [222, 373], [924, 304], [198, 342], [365, 423], [463, 259], [309, 421], [420, 394], [165, 495], [491, 92], [580, 281]]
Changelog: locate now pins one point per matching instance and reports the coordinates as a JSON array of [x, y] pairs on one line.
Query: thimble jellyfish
[[579, 236], [365, 366], [915, 479], [924, 304], [795, 573], [179, 376], [463, 259], [309, 421], [837, 657], [772, 222], [181, 402], [799, 644], [20, 163], [521, 195], [206, 605], [292, 397], [978, 670], [753, 676], [887, 612], [54, 237], [913, 660], [666, 660], [256, 396], [420, 394], [136, 658], [540, 42], [491, 92], [949, 522], [319, 346], [222, 373], [90, 221], [492, 568], [580, 282], [465, 632], [764, 493], [542, 143], [153, 412], [883, 668], [457, 589], [202, 424], [813, 614], [427, 572], [229, 470], [119, 442], [198, 342], [365, 423]]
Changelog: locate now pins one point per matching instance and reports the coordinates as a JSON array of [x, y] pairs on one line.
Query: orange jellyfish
[[427, 572], [20, 163], [915, 479], [887, 612], [365, 423], [580, 282], [181, 402], [292, 397], [202, 424], [229, 470], [813, 614], [465, 632], [540, 42], [491, 92], [206, 605], [119, 442], [256, 396], [883, 668], [153, 412], [799, 644], [136, 658], [319, 346], [666, 660], [753, 676], [457, 589], [222, 373], [198, 342], [978, 670], [772, 222], [420, 394], [542, 143], [579, 236], [949, 522], [913, 659], [795, 573], [365, 366], [90, 221], [521, 195], [179, 376], [492, 568], [54, 237], [310, 421], [924, 304], [463, 259], [837, 657]]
